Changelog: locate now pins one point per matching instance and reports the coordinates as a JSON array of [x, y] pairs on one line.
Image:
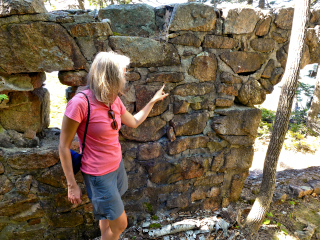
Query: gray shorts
[[105, 193]]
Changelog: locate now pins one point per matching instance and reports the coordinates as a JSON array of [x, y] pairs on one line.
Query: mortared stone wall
[[195, 148]]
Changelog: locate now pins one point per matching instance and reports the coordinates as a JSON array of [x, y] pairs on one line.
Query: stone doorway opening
[[58, 100]]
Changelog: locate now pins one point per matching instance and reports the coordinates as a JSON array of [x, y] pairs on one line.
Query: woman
[[102, 165]]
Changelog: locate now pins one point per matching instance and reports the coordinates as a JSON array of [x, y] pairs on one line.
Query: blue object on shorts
[[105, 193]]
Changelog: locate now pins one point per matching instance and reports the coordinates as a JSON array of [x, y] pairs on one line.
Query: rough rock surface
[[145, 52], [38, 47], [240, 21], [130, 19], [193, 17], [243, 62], [13, 7]]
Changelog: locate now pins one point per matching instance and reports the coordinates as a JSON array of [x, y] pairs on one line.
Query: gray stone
[[73, 78], [27, 110], [315, 16], [240, 21], [5, 184], [284, 18], [224, 102], [268, 69], [282, 56], [193, 17], [220, 42], [187, 39], [237, 121], [183, 143], [190, 124], [5, 139], [276, 76], [263, 44], [266, 84], [239, 140], [21, 82], [149, 151], [49, 48], [132, 76], [151, 129], [193, 89], [204, 67], [33, 160], [145, 52], [243, 62], [94, 29], [263, 26], [229, 79], [300, 191], [54, 176], [23, 184], [165, 77], [144, 93], [1, 168], [315, 184], [130, 19], [280, 35], [237, 159], [252, 93], [34, 211], [13, 7], [313, 43], [20, 141], [67, 220], [17, 204]]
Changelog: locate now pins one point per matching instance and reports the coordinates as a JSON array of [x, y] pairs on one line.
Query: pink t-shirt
[[102, 153]]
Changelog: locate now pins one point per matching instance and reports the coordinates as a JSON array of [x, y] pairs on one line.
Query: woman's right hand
[[74, 194]]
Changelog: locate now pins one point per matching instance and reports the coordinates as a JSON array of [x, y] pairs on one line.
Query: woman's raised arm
[[134, 121]]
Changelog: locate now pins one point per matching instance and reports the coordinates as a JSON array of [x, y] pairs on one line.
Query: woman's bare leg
[[111, 230]]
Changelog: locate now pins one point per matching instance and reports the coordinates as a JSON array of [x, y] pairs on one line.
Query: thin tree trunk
[[261, 4], [250, 2], [312, 114], [262, 202], [81, 4]]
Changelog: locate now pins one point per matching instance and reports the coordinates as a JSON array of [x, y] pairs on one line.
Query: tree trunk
[[250, 2], [81, 4], [313, 112], [261, 4], [262, 202]]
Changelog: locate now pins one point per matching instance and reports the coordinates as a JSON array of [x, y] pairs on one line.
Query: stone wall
[[195, 148]]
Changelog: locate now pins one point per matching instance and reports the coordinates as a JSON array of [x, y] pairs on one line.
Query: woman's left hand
[[160, 95]]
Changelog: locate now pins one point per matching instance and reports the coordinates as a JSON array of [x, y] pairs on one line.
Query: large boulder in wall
[[144, 52], [27, 111], [13, 7], [38, 47], [241, 20], [193, 17], [130, 19]]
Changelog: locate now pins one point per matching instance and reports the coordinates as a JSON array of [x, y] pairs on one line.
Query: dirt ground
[[289, 217]]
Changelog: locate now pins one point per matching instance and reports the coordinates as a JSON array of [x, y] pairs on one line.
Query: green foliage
[[155, 225], [266, 222], [148, 207], [3, 97], [105, 3], [267, 115], [297, 130], [154, 217], [269, 214]]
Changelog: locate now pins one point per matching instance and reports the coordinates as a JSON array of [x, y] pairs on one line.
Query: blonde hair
[[106, 77]]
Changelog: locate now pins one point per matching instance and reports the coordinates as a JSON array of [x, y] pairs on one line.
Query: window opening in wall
[[58, 99]]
